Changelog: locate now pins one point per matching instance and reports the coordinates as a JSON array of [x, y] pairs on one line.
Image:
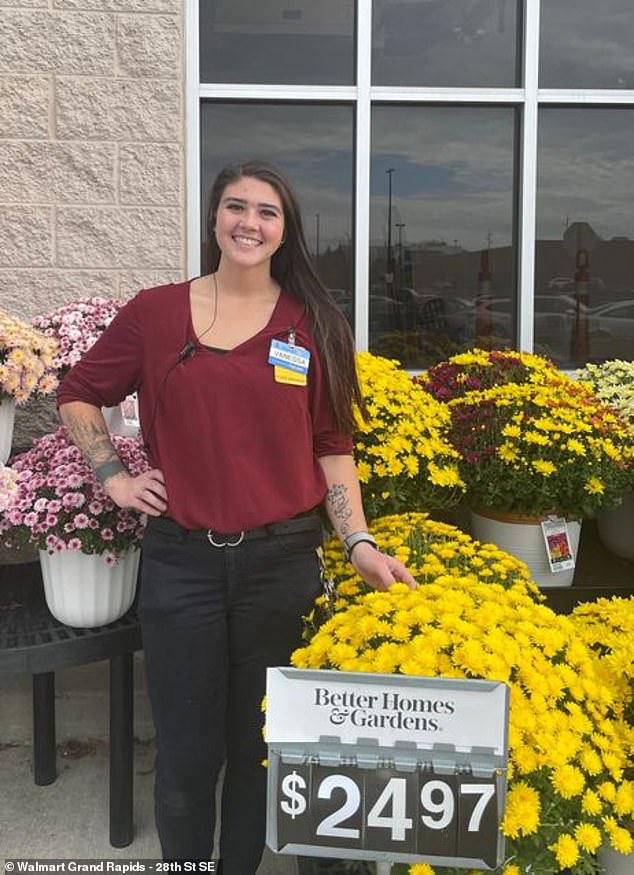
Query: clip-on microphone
[[188, 350]]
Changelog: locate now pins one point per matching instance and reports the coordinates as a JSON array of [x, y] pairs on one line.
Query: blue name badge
[[289, 356]]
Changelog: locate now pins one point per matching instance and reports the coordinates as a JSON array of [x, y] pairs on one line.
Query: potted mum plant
[[76, 327], [540, 447], [26, 368], [567, 755], [403, 456], [613, 383], [88, 547], [607, 626]]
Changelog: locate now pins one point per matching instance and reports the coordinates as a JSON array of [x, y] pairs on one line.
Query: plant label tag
[[557, 540], [289, 356], [130, 410]]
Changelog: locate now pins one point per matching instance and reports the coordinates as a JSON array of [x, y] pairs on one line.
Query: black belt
[[305, 522]]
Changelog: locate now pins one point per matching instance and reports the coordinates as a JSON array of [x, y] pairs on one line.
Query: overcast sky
[[454, 166]]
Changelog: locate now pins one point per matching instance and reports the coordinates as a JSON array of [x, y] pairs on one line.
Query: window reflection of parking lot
[[609, 326], [611, 330], [415, 326], [418, 328]]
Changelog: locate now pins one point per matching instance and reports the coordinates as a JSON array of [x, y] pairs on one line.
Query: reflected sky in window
[[442, 253], [312, 145], [445, 42], [585, 170], [453, 173], [587, 44], [271, 41], [585, 235]]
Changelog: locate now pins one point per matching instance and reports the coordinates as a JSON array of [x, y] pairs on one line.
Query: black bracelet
[[351, 541], [109, 469], [364, 541]]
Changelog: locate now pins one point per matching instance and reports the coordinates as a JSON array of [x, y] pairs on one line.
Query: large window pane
[[445, 42], [274, 41], [312, 145], [442, 255], [587, 44], [584, 284]]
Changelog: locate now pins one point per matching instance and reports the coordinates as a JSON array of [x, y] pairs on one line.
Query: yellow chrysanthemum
[[620, 839], [543, 467], [568, 781], [588, 837], [566, 851], [594, 486], [522, 811]]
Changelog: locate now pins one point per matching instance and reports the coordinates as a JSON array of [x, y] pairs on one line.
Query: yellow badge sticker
[[284, 375]]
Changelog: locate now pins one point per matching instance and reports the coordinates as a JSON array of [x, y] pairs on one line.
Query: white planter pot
[[614, 863], [616, 529], [523, 539], [7, 420], [84, 591]]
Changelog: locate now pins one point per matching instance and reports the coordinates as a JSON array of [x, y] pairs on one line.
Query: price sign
[[376, 767], [420, 813]]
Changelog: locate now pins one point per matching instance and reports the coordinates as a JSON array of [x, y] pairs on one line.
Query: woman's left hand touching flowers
[[379, 570]]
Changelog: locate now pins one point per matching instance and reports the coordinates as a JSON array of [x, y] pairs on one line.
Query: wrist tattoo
[[341, 511], [109, 469], [93, 439]]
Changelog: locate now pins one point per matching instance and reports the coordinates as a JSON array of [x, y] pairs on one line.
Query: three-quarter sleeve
[[112, 367], [327, 439]]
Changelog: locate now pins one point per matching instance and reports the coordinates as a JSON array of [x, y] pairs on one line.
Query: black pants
[[212, 620]]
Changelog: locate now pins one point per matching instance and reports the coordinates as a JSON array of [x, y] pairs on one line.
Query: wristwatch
[[351, 541]]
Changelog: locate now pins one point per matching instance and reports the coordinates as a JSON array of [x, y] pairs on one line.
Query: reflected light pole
[[317, 217], [389, 276], [400, 226], [580, 340]]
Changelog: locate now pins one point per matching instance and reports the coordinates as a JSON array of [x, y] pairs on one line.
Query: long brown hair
[[292, 268]]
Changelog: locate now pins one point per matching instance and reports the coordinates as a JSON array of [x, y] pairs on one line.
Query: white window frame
[[364, 96]]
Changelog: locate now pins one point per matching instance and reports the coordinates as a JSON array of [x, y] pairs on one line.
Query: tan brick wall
[[91, 156], [91, 149]]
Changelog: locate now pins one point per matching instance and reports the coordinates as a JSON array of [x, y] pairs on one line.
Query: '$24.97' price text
[[418, 813]]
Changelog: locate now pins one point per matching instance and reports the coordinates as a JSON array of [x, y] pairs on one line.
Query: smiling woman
[[249, 429], [249, 222], [314, 147]]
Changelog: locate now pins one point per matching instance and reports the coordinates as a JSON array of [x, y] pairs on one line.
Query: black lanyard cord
[[186, 352]]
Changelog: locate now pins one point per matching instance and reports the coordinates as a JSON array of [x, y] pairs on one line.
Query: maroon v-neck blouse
[[237, 448]]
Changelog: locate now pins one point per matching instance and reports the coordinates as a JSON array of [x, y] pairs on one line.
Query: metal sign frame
[[296, 741]]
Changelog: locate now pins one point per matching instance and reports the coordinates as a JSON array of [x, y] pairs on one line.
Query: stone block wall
[[92, 201], [91, 149]]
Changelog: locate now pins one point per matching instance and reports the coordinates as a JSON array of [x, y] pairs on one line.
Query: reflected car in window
[[613, 320], [561, 282]]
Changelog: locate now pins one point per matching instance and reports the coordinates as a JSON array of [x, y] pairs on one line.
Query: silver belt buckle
[[212, 535]]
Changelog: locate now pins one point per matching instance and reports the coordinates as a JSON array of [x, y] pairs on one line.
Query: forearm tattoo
[[337, 499], [93, 440]]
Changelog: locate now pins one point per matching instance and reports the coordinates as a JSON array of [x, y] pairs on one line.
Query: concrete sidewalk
[[69, 818]]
